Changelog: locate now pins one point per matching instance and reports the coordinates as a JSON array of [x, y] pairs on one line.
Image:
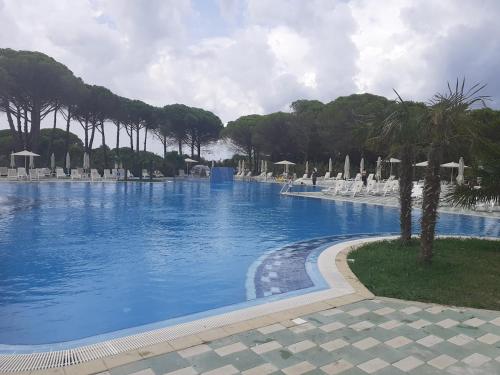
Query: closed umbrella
[[52, 161], [32, 162], [347, 167], [378, 174], [307, 168], [265, 166], [213, 164], [116, 165], [461, 168], [68, 162], [243, 166], [12, 160], [262, 166], [86, 161], [121, 165], [362, 165], [330, 166]]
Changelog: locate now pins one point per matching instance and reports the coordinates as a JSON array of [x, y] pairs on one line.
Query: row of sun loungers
[[21, 174]]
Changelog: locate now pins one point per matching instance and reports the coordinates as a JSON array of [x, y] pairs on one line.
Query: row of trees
[[34, 87], [449, 126]]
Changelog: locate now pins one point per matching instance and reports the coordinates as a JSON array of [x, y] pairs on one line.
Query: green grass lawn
[[464, 272]]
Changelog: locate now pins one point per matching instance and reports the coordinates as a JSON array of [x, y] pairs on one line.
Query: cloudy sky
[[237, 57]]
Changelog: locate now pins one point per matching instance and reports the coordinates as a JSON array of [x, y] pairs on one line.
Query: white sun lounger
[[94, 175], [60, 173], [4, 171], [12, 174], [75, 174], [34, 175], [21, 173]]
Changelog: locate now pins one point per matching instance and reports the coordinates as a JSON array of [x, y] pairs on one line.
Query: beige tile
[[373, 365], [336, 367], [442, 361], [183, 371], [147, 371], [407, 364], [367, 343], [299, 368], [398, 342], [156, 349], [230, 349], [121, 359], [301, 346], [264, 369], [237, 328], [194, 350], [212, 334], [332, 327], [476, 360], [460, 339], [185, 342], [225, 370], [334, 345], [91, 367], [489, 339], [267, 347], [430, 341], [271, 328]]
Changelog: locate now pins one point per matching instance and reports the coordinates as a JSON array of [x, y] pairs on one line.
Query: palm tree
[[402, 129], [448, 114]]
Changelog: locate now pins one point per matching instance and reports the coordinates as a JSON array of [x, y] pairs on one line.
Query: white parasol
[[347, 167]]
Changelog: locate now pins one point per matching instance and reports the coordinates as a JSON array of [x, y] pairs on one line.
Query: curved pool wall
[[82, 262]]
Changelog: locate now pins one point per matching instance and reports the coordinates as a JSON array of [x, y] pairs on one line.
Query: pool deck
[[354, 333], [388, 201]]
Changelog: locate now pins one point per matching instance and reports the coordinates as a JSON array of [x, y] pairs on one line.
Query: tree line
[[34, 87], [450, 125]]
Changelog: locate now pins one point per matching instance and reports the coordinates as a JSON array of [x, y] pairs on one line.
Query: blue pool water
[[81, 259]]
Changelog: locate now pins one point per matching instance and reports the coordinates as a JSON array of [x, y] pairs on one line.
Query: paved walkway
[[381, 336]]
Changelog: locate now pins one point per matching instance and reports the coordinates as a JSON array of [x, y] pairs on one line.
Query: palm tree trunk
[[432, 189], [405, 188]]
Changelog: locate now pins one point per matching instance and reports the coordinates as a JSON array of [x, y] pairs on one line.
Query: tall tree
[[448, 114], [403, 130], [241, 133], [36, 88]]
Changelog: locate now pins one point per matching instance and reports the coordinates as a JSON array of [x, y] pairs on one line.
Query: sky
[[238, 57]]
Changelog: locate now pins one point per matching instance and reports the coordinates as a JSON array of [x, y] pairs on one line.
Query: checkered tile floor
[[382, 336]]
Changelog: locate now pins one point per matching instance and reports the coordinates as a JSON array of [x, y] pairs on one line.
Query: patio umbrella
[[347, 167], [52, 161], [378, 175], [307, 168], [12, 160], [189, 161], [362, 165], [461, 167], [286, 163], [422, 164], [391, 161], [330, 166], [68, 162], [26, 154], [450, 165]]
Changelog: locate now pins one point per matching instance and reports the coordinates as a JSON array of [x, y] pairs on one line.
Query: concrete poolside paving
[[373, 336]]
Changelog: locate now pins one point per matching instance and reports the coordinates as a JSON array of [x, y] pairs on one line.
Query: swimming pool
[[81, 259]]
